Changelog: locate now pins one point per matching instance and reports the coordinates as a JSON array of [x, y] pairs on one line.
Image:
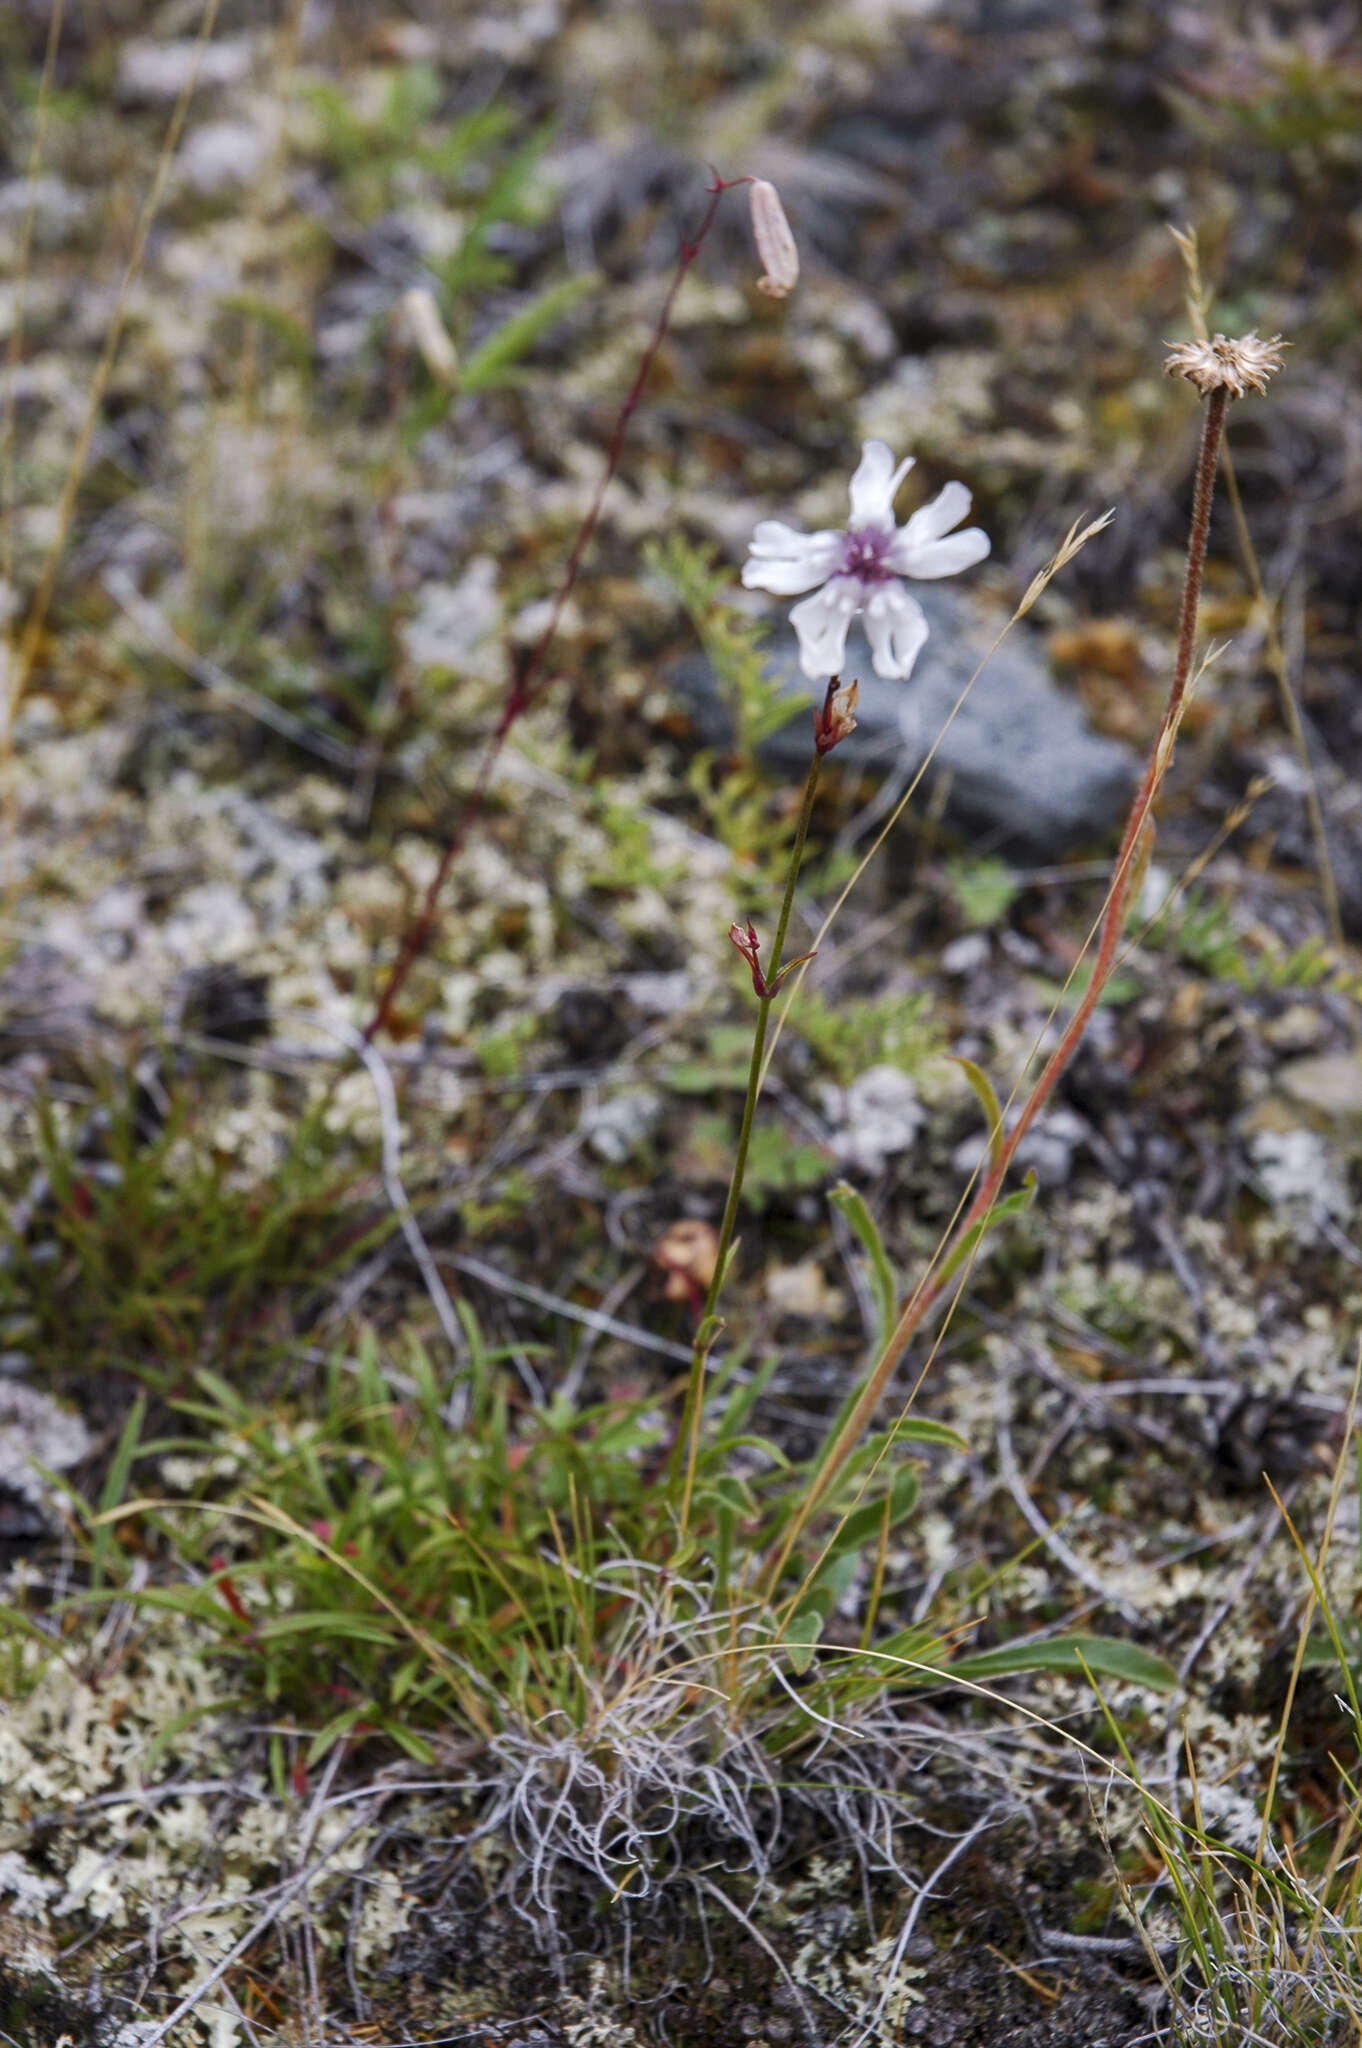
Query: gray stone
[[1328, 1086], [874, 1119], [1026, 774], [36, 1432], [620, 1125], [222, 156], [153, 69]]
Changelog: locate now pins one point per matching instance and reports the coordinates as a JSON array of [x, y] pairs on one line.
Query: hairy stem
[[930, 1287], [689, 1432]]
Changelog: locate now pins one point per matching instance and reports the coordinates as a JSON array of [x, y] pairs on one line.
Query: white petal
[[875, 483], [938, 515], [774, 537], [785, 562], [821, 623], [896, 629], [927, 547], [942, 557]]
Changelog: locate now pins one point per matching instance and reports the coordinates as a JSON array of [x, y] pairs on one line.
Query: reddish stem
[[931, 1286], [528, 685]]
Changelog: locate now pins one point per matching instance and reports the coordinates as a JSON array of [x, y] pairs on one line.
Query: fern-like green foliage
[[735, 643], [850, 1033], [1201, 932]]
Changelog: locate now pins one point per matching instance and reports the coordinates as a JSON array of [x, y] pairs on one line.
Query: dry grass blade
[[31, 637]]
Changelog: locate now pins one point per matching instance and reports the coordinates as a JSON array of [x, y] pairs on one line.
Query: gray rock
[[1026, 775], [222, 156], [1301, 1174], [874, 1119], [1328, 1087], [36, 1432], [151, 69], [619, 1126]]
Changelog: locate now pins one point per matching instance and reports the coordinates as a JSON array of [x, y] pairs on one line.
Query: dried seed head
[[1225, 365], [836, 719], [775, 242]]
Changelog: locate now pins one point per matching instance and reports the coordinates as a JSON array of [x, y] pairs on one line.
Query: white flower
[[859, 570]]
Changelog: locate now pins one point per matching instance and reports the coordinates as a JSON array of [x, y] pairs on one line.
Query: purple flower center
[[863, 551]]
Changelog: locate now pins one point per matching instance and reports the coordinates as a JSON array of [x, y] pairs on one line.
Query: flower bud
[[775, 242], [837, 718], [749, 946], [430, 335]]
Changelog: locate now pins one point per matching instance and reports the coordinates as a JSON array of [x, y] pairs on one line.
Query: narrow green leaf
[[353, 1628], [983, 1088], [496, 360], [851, 1206], [1015, 1204], [334, 1731], [800, 1636], [916, 1429], [115, 1485], [407, 1739], [862, 1525], [1107, 1656]]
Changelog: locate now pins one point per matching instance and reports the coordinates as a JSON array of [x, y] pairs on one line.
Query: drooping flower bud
[[775, 242], [836, 719], [430, 334]]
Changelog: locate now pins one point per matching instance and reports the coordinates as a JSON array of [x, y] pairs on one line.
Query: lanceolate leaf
[[983, 1088], [883, 1286], [1104, 1656]]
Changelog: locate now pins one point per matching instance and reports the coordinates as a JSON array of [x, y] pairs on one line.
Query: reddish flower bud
[[837, 718], [749, 945]]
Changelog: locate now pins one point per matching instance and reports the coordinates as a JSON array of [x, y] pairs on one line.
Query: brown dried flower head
[[1225, 365], [775, 242]]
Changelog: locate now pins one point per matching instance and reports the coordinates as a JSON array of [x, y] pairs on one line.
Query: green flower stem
[[689, 1432]]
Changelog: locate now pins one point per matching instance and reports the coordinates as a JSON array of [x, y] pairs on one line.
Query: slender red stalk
[[529, 683], [931, 1286]]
